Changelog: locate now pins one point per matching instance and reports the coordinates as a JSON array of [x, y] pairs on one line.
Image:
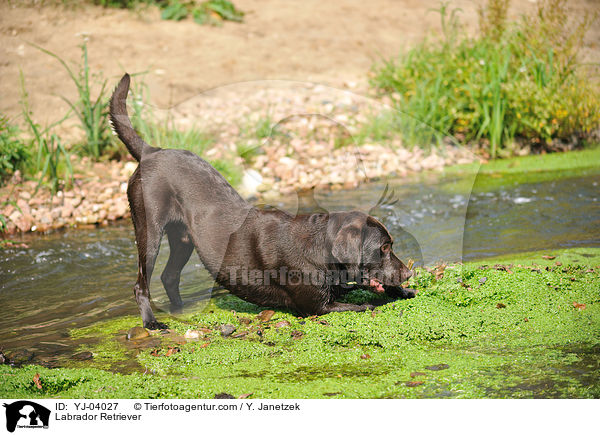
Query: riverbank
[[523, 326], [99, 195]]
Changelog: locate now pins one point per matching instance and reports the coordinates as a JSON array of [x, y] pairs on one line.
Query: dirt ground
[[333, 43]]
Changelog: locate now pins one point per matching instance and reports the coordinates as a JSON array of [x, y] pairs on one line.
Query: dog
[[270, 258]]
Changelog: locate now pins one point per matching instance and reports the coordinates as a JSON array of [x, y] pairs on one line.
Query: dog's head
[[363, 246]]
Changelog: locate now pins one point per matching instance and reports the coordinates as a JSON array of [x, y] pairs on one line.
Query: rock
[[192, 334], [251, 180], [82, 356], [227, 330], [137, 332]]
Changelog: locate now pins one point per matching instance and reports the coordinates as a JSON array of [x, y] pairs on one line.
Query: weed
[[93, 115], [13, 152], [165, 134], [52, 159], [517, 84]]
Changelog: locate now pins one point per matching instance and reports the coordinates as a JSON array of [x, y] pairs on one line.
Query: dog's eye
[[386, 248]]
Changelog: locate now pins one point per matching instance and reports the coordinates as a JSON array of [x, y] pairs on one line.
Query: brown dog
[[266, 257]]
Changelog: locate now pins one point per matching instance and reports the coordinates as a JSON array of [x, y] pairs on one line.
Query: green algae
[[500, 173], [522, 326]]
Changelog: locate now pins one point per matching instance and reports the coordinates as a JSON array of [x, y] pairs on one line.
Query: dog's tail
[[120, 120]]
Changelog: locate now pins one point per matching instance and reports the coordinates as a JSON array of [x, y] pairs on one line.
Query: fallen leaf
[[282, 324], [155, 352], [172, 350], [37, 382], [414, 383], [240, 334], [245, 396], [415, 374], [365, 356], [224, 396], [245, 320], [203, 345], [439, 271], [500, 305], [297, 335], [265, 316], [548, 257], [579, 306]]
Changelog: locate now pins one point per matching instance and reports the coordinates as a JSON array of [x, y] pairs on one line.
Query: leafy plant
[[13, 151], [52, 159], [517, 84], [165, 134], [92, 114]]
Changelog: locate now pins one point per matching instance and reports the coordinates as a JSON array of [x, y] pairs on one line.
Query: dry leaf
[[245, 396], [548, 257], [415, 374], [500, 305], [579, 306], [37, 382], [414, 383], [365, 356], [265, 316], [172, 350]]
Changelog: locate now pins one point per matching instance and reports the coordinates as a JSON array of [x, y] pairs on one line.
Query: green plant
[[52, 160], [212, 12], [13, 151], [215, 11], [165, 134], [92, 114], [516, 85]]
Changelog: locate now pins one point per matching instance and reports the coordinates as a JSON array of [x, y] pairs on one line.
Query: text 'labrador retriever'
[[267, 257]]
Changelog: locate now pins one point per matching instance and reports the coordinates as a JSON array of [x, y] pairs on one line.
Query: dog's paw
[[155, 325]]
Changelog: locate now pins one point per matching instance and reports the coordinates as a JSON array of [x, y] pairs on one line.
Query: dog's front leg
[[341, 306]]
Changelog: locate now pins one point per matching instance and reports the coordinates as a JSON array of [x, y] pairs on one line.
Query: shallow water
[[74, 278]]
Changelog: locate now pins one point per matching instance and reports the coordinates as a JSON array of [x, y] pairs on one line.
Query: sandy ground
[[333, 43]]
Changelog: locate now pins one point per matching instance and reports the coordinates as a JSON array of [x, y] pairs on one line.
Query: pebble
[[227, 330], [137, 332]]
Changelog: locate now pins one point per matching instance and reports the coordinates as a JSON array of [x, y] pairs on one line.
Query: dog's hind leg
[[180, 250], [147, 236]]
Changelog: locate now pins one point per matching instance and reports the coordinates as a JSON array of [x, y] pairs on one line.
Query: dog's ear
[[347, 245]]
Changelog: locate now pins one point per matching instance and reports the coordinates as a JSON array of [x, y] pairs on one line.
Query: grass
[[524, 329], [52, 161], [516, 85], [92, 113], [165, 134]]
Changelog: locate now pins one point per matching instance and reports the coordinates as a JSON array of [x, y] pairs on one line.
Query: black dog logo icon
[[26, 414]]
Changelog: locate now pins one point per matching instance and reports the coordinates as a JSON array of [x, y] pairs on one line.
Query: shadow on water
[[71, 279]]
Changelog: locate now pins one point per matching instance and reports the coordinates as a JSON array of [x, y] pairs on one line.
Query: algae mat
[[521, 327]]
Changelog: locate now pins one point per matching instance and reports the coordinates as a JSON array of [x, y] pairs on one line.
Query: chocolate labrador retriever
[[267, 257]]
